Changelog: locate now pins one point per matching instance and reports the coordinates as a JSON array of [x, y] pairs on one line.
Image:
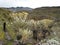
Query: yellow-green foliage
[[40, 23], [8, 43], [11, 31], [24, 28], [2, 34], [19, 24], [29, 44], [46, 22], [26, 34], [20, 15], [56, 29], [4, 14]]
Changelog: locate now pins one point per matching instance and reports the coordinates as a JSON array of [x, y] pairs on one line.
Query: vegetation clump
[[38, 28]]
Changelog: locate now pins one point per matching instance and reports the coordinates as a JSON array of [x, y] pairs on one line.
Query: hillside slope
[[42, 12]]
